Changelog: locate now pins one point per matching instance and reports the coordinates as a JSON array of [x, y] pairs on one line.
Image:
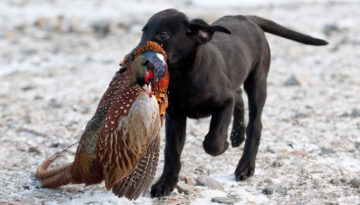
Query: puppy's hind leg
[[215, 142], [237, 136]]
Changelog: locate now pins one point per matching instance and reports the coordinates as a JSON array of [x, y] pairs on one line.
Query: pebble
[[328, 29], [34, 150], [54, 104], [296, 80], [268, 191], [270, 150], [299, 152], [209, 182], [201, 171], [326, 151], [26, 88], [357, 145], [102, 28], [355, 112], [225, 200], [186, 188], [355, 183], [277, 164]]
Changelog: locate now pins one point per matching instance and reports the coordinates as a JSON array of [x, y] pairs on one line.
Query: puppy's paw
[[213, 148], [237, 136], [162, 188], [244, 171]]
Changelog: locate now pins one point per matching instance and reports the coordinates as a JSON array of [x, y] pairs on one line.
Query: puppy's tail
[[276, 29]]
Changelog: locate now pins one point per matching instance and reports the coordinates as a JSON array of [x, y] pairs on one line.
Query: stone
[[225, 200], [268, 191], [355, 183], [355, 112], [54, 104], [201, 171], [34, 150], [326, 151], [204, 180], [296, 80], [276, 164], [26, 88], [328, 29], [186, 188], [101, 28], [299, 152]]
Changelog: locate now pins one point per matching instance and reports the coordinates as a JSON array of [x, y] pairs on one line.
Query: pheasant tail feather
[[54, 177]]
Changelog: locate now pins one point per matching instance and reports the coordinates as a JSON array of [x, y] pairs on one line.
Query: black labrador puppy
[[207, 65]]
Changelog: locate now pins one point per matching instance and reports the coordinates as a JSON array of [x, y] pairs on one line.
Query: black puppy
[[207, 65]]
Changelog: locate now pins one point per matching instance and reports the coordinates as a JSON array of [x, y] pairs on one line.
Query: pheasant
[[121, 142]]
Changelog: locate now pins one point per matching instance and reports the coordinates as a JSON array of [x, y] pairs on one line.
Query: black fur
[[207, 65]]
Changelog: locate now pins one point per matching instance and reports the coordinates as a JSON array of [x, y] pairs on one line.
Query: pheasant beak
[[147, 88]]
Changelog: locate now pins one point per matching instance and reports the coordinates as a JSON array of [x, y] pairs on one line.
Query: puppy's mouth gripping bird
[[121, 142]]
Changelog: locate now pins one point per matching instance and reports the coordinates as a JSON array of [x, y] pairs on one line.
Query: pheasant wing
[[128, 131], [140, 179]]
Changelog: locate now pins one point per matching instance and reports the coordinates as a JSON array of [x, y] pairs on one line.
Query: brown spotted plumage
[[121, 143]]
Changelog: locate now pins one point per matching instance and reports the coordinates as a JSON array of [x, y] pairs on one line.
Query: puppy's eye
[[143, 29], [163, 35]]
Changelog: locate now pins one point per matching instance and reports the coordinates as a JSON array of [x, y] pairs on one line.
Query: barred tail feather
[[140, 179], [53, 178]]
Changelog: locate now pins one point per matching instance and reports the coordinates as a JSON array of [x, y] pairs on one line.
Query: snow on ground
[[57, 58]]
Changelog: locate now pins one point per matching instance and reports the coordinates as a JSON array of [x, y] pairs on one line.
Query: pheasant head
[[150, 71]]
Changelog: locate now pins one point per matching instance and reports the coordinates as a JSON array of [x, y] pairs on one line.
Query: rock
[[357, 145], [34, 150], [29, 51], [268, 191], [299, 152], [54, 104], [355, 183], [201, 171], [270, 150], [355, 112], [331, 203], [225, 200], [186, 188], [204, 180], [328, 29], [326, 151], [187, 180], [277, 164], [101, 28], [85, 110], [55, 144], [296, 80], [26, 88], [38, 97], [27, 187]]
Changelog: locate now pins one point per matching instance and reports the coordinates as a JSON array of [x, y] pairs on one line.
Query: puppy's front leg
[[215, 142], [175, 138]]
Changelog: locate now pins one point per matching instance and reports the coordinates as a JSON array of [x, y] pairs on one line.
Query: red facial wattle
[[149, 74]]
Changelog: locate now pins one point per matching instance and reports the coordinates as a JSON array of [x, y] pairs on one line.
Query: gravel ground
[[58, 57]]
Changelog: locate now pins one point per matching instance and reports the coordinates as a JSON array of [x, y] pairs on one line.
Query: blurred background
[[58, 56]]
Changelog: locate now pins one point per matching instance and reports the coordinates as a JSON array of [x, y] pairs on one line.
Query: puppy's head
[[178, 36]]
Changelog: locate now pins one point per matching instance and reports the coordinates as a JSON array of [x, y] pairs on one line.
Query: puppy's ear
[[202, 32]]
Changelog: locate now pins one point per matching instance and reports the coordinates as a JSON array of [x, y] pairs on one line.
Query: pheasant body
[[120, 143]]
